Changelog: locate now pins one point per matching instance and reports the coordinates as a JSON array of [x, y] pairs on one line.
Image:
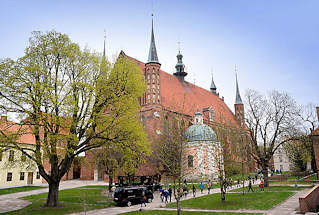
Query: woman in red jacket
[[262, 185]]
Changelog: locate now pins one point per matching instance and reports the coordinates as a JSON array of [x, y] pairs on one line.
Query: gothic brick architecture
[[170, 95]]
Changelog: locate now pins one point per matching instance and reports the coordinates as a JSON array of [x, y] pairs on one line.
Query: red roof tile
[[187, 98], [25, 132]]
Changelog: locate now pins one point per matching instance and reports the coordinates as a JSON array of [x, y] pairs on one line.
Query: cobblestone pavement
[[10, 202]]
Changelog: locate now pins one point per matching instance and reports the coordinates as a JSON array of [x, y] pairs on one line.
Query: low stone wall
[[310, 201]]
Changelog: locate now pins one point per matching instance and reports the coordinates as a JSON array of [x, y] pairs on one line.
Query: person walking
[[262, 185], [250, 187], [185, 191], [143, 199], [166, 194], [209, 186], [170, 194], [161, 193], [201, 187], [194, 190]]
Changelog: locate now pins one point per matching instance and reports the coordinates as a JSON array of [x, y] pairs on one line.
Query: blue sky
[[275, 44]]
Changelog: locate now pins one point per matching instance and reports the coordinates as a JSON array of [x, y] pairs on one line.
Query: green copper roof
[[200, 132], [238, 98], [152, 55]]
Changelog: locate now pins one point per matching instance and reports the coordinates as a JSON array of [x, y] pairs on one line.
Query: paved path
[[155, 205], [289, 206], [10, 202]]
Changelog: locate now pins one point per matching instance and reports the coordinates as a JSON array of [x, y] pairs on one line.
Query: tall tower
[[239, 106], [180, 67], [213, 86], [152, 74]]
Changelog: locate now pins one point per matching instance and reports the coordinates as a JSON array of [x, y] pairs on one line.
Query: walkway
[[155, 205], [10, 202]]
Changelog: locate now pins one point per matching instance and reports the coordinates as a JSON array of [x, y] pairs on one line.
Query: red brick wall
[[309, 202]]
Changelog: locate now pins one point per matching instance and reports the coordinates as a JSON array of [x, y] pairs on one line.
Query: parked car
[[131, 194]]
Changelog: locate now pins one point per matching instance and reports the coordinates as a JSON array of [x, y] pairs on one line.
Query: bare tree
[[171, 156], [272, 121]]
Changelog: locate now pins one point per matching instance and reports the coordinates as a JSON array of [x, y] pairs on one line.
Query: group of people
[[252, 181], [165, 194]]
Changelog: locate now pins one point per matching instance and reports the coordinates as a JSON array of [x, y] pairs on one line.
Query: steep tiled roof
[[26, 136], [187, 98]]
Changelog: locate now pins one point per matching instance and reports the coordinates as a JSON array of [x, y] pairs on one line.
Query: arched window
[[190, 161]]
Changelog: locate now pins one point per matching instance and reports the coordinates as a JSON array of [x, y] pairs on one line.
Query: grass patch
[[272, 188], [163, 212], [71, 200], [18, 189], [291, 182], [95, 187], [255, 201]]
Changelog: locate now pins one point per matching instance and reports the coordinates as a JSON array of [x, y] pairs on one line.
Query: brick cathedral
[[170, 95]]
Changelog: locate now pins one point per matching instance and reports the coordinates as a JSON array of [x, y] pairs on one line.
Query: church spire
[[238, 98], [152, 55], [213, 86], [104, 44]]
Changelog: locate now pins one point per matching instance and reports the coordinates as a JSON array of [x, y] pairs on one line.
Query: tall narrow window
[[166, 124], [190, 159], [38, 175], [9, 176], [0, 155], [21, 176], [11, 155]]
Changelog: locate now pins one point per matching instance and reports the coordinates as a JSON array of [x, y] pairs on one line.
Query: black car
[[131, 194]]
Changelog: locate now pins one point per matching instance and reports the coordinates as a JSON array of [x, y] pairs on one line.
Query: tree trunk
[[178, 206], [222, 192], [53, 194], [265, 174], [244, 187], [110, 182]]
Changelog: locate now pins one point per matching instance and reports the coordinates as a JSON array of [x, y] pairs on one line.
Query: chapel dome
[[200, 132]]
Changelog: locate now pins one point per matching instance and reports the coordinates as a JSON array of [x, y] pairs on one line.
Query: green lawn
[[71, 200], [271, 189], [162, 212], [18, 189], [291, 182], [256, 200]]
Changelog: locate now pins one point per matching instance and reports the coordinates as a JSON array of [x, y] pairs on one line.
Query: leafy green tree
[[66, 95]]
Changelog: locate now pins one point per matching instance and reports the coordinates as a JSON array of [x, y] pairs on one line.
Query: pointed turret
[[239, 107], [213, 86], [152, 54], [180, 67], [152, 75], [238, 98]]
